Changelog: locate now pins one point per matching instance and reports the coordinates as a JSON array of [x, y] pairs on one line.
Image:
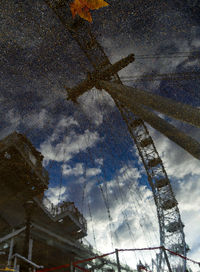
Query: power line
[[169, 55], [92, 223], [108, 213], [170, 76], [60, 185], [120, 193]]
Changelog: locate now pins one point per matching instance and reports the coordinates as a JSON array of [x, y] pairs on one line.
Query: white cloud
[[184, 173], [99, 161], [78, 170], [70, 145], [95, 104], [56, 194], [139, 236], [67, 122], [80, 180], [188, 196], [128, 173], [64, 122], [178, 162], [92, 172], [133, 208]]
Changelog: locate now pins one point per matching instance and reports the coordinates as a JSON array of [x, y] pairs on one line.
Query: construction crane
[[134, 113]]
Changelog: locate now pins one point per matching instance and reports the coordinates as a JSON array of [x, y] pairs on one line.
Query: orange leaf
[[82, 7], [95, 4], [73, 10], [76, 7], [85, 14]]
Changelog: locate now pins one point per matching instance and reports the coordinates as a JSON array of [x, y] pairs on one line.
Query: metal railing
[[17, 267], [62, 208]]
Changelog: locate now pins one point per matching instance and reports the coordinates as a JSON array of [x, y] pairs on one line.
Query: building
[[33, 232]]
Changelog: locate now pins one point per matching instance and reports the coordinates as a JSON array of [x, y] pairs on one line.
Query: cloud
[[139, 206], [92, 172], [99, 161], [164, 35], [78, 170], [95, 105], [57, 194], [132, 211], [184, 173], [69, 146], [63, 124], [182, 168], [178, 162], [188, 196], [127, 173], [128, 232], [49, 63]]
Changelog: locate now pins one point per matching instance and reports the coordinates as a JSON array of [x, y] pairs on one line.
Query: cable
[[83, 195], [103, 197], [169, 76], [168, 55], [127, 165], [60, 187], [107, 197], [108, 213], [90, 213], [124, 213], [122, 200]]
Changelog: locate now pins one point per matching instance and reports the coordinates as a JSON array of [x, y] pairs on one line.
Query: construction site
[[83, 185]]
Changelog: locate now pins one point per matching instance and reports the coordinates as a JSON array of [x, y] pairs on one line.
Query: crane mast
[[170, 224]]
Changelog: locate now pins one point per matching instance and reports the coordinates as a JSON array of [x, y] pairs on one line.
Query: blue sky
[[87, 144]]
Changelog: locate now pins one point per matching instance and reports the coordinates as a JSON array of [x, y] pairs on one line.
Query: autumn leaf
[[95, 4], [85, 14], [83, 7], [80, 8]]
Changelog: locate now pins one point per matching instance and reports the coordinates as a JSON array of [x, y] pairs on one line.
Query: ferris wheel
[[135, 114], [137, 110]]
